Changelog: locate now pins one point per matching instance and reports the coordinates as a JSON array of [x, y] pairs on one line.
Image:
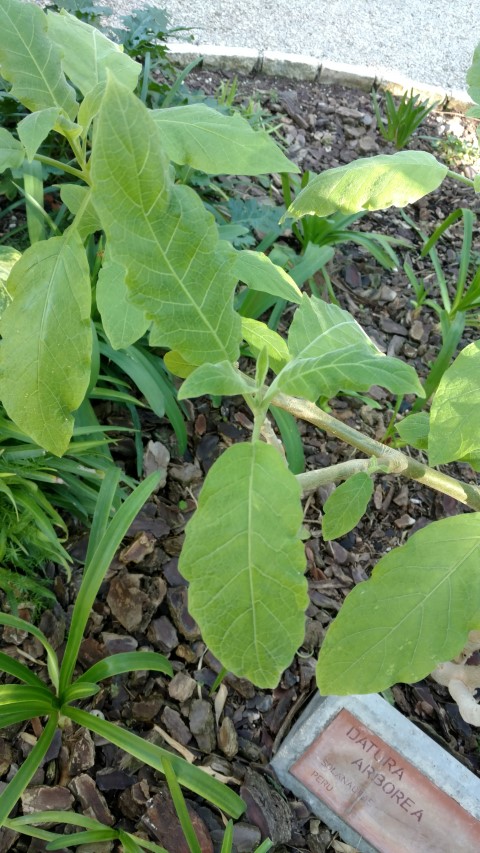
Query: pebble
[[161, 820], [93, 803], [81, 750], [266, 809], [111, 779], [417, 330], [227, 738], [175, 726], [181, 687], [177, 605], [162, 634], [368, 145], [41, 798], [202, 725], [156, 458]]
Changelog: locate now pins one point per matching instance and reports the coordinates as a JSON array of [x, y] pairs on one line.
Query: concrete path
[[431, 41]]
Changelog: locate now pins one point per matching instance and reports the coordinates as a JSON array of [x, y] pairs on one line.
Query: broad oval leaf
[[79, 202], [332, 353], [30, 61], [371, 183], [245, 563], [344, 508], [222, 378], [177, 271], [258, 335], [454, 432], [257, 271], [47, 340], [416, 611], [12, 153], [198, 136], [90, 54]]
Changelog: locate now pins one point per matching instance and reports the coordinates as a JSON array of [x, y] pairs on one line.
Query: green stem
[[398, 462], [311, 480], [49, 161], [461, 178]]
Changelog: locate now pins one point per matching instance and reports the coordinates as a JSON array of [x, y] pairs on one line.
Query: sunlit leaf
[[222, 378], [245, 562], [416, 611], [414, 429], [258, 335], [257, 271], [35, 127], [454, 432], [122, 321], [344, 508]]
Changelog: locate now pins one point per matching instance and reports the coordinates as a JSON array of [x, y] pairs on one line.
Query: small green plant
[[402, 119], [59, 699]]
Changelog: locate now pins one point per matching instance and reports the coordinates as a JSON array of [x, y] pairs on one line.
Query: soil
[[143, 601]]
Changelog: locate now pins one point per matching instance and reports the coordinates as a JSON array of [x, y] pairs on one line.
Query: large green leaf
[[346, 505], [79, 202], [30, 61], [332, 353], [454, 432], [258, 271], [220, 379], [122, 321], [46, 340], [88, 55], [415, 611], [177, 271], [197, 136], [245, 563], [12, 153], [35, 127], [371, 183]]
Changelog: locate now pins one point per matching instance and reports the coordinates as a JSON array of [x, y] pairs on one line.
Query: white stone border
[[296, 66]]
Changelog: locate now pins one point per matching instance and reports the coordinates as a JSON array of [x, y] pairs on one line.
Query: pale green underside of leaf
[[454, 431], [34, 129], [123, 322], [177, 365], [200, 137], [245, 563], [90, 55], [473, 78], [30, 61], [344, 508], [415, 612], [79, 202], [12, 153], [414, 429], [177, 271], [257, 271], [219, 379], [371, 183], [46, 340], [258, 335], [332, 353]]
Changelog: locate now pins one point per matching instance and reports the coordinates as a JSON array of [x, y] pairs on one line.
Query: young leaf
[[90, 54], [257, 271], [79, 202], [346, 505], [177, 270], [30, 61], [47, 339], [370, 183], [177, 365], [12, 153], [414, 429], [332, 353], [221, 379], [35, 127], [415, 611], [258, 335], [245, 563], [454, 433], [198, 136], [122, 321]]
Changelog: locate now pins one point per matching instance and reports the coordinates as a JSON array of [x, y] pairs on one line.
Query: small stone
[[181, 687], [111, 779], [368, 145], [391, 327], [146, 710], [186, 653], [246, 837], [91, 800], [156, 458], [175, 726], [266, 809], [185, 474], [161, 820], [81, 750], [142, 545], [386, 294], [130, 605], [202, 725], [6, 756], [404, 521], [44, 799], [118, 643], [162, 634], [416, 331], [177, 605], [227, 738], [133, 800], [338, 552]]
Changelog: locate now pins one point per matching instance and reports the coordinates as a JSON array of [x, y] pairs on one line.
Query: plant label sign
[[383, 784]]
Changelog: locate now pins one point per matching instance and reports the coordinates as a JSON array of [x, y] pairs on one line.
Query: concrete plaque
[[386, 787]]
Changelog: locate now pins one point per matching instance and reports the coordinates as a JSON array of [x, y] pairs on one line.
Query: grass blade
[[291, 439], [16, 787], [181, 808], [126, 662]]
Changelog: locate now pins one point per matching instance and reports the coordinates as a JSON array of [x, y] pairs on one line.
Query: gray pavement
[[431, 41]]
